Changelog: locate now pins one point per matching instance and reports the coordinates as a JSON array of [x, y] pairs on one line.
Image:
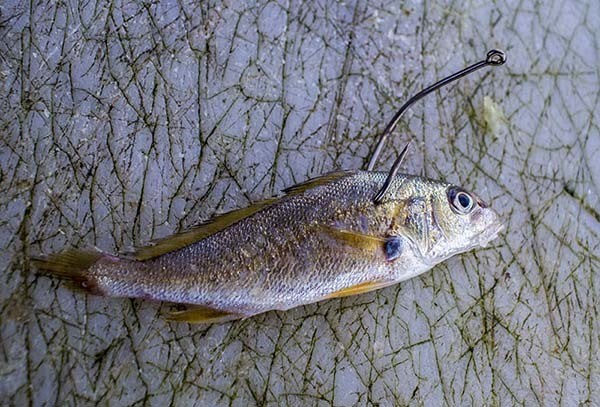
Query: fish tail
[[72, 265]]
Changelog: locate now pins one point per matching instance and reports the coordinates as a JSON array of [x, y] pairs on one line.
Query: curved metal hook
[[494, 57], [388, 181]]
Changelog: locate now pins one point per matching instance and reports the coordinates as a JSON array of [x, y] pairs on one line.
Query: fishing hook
[[493, 58]]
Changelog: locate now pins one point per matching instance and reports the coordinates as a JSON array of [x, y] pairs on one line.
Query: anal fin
[[359, 289], [198, 314]]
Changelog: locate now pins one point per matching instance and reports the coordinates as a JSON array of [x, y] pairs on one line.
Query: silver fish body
[[323, 239]]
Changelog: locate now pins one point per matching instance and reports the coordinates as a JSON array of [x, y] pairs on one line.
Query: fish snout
[[493, 225]]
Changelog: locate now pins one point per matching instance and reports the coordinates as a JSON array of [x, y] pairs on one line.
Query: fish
[[340, 234], [322, 239]]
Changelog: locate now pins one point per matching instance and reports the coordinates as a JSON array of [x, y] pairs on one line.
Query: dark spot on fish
[[393, 248]]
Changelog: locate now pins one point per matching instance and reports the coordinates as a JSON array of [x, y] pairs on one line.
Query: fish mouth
[[491, 233], [482, 240]]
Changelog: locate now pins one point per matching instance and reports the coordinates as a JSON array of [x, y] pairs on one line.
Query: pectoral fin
[[390, 248], [359, 289], [355, 239], [197, 314]]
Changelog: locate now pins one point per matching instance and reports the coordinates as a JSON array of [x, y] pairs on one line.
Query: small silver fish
[[324, 239], [341, 234]]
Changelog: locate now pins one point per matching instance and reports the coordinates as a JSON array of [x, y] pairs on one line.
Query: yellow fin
[[355, 239], [185, 238], [72, 265], [316, 182], [180, 240], [359, 289], [198, 314]]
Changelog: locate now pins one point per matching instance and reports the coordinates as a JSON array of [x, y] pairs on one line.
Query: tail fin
[[72, 265]]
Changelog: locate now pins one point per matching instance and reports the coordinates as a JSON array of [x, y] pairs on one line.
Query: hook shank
[[493, 57]]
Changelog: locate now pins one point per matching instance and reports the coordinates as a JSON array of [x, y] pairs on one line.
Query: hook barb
[[388, 181]]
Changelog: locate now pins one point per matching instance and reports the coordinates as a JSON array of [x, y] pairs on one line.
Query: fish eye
[[461, 201]]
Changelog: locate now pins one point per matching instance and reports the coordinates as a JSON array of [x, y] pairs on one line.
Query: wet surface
[[127, 121]]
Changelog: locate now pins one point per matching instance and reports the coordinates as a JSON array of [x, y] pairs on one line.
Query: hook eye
[[495, 57]]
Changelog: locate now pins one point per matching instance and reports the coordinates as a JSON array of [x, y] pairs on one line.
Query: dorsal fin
[[179, 240], [316, 182]]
